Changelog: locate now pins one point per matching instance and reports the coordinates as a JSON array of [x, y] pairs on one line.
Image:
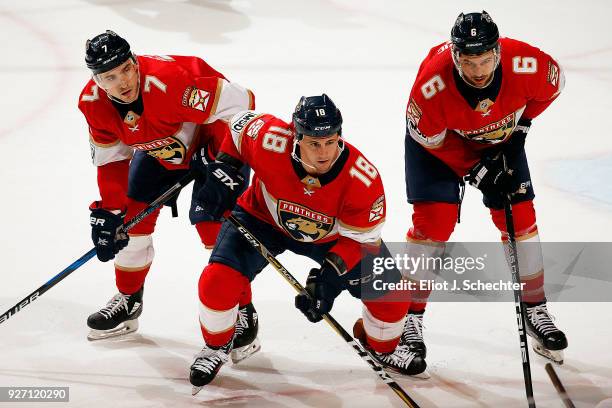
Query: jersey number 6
[[432, 87], [524, 65]]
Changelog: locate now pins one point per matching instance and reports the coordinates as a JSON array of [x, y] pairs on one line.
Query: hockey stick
[[92, 252], [518, 298], [361, 351], [559, 386]]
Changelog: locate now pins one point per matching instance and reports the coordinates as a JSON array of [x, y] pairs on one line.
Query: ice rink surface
[[364, 54]]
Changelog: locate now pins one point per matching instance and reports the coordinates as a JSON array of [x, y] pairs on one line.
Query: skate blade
[[245, 352], [124, 328], [421, 376], [556, 356], [195, 390]]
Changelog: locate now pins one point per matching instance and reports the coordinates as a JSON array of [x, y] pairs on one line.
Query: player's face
[[319, 152], [121, 82], [477, 69]]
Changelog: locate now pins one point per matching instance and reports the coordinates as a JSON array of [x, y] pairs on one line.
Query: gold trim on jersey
[[213, 108], [91, 139], [360, 229]]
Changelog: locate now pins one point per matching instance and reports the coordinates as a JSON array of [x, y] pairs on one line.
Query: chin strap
[[298, 159]]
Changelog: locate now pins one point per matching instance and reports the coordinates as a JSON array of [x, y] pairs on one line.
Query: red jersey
[[346, 204], [178, 94], [442, 120]]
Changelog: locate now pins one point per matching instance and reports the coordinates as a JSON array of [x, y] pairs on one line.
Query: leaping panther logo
[[168, 149], [302, 223]]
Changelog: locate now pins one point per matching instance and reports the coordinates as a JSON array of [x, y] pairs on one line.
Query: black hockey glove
[[199, 162], [323, 288], [516, 144], [224, 184], [107, 232], [490, 177]]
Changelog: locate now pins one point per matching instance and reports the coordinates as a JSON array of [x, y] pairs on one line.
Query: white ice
[[365, 55]]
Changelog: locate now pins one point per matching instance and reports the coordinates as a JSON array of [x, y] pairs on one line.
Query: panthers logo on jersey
[[492, 133], [169, 149], [302, 223]]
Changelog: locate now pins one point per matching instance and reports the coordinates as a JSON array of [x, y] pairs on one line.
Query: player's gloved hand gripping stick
[[92, 252]]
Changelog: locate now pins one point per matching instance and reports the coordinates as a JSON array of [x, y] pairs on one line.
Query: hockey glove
[[199, 162], [322, 290], [516, 144], [490, 177], [107, 232], [224, 184]]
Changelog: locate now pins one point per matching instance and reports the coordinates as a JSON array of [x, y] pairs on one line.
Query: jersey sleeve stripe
[[230, 99], [93, 142], [371, 235], [102, 155], [429, 142], [251, 100]]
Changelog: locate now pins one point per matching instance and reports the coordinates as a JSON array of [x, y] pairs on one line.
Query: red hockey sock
[[129, 282], [220, 289]]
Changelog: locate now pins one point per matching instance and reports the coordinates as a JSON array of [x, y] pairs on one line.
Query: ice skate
[[413, 333], [400, 361], [117, 318], [246, 342], [403, 361], [207, 364], [546, 339]]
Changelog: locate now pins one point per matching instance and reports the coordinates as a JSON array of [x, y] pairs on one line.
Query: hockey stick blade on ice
[[359, 349], [92, 252]]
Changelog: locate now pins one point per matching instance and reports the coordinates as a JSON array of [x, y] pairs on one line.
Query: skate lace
[[208, 359], [242, 323], [114, 305], [542, 320], [401, 357], [414, 328]]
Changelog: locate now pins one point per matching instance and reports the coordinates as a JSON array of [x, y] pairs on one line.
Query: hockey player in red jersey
[[470, 109], [147, 116], [312, 194]]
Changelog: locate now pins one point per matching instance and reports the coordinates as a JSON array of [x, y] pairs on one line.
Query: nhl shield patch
[[302, 223]]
